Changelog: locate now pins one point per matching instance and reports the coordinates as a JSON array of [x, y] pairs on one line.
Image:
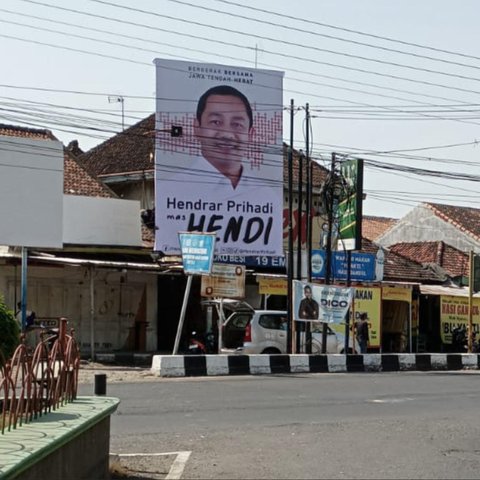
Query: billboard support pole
[[347, 319], [182, 314], [92, 313], [24, 287], [221, 321], [290, 235], [470, 303]]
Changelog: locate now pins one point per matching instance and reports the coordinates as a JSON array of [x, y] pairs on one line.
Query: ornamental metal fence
[[36, 381]]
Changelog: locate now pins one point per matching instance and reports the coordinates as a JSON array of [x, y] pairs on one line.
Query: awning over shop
[[441, 290]]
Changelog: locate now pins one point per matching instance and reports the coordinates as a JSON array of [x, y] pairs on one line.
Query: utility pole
[[328, 250], [470, 302], [299, 325], [290, 236], [308, 208]]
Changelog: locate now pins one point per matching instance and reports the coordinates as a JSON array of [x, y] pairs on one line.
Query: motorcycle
[[459, 339], [195, 345]]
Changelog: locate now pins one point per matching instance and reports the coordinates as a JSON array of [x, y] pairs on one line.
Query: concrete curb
[[209, 365]]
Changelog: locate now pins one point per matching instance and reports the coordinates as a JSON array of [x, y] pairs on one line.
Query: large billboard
[[218, 156], [31, 192]]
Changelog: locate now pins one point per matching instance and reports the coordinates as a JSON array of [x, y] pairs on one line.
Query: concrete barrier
[[71, 442], [208, 365]]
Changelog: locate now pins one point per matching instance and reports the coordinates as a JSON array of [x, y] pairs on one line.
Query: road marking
[[178, 464], [390, 400]]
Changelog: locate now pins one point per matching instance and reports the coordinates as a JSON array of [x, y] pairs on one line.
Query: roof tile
[[466, 219], [374, 227], [452, 260]]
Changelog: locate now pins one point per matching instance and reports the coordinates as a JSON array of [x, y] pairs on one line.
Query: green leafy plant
[[9, 331]]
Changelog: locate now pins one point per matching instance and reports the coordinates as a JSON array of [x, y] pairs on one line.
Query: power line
[[285, 42], [357, 32], [256, 36], [316, 33], [224, 56]]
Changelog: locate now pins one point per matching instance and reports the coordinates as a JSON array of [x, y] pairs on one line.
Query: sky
[[394, 83]]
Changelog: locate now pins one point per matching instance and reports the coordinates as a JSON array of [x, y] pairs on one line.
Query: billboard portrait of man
[[223, 126], [224, 172]]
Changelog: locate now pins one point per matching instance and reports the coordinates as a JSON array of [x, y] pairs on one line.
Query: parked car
[[251, 331]]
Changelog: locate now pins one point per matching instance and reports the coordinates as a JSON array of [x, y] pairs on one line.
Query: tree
[[9, 331]]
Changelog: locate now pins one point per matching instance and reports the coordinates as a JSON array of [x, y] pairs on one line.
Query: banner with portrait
[[218, 156], [321, 303]]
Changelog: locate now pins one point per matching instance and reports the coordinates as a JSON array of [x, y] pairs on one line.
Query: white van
[[249, 331]]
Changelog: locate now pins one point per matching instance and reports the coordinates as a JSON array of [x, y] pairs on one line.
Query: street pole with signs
[[197, 257]]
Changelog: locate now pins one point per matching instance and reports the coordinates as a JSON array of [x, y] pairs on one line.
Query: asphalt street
[[388, 425]]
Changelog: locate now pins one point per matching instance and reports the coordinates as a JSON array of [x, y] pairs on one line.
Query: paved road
[[399, 425]]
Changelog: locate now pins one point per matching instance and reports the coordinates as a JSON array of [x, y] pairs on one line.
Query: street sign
[[197, 251], [362, 266]]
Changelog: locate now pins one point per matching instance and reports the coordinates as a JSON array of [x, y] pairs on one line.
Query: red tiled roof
[[400, 268], [77, 181], [129, 151], [25, 132], [374, 227], [319, 173], [452, 260], [466, 219]]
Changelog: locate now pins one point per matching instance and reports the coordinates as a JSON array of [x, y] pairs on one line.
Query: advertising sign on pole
[[362, 266], [219, 156], [320, 303], [197, 252], [226, 281], [350, 206]]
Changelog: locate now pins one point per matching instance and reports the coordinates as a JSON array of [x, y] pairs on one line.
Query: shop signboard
[[454, 313], [227, 281]]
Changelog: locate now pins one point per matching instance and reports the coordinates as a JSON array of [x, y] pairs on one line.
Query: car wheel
[[271, 350]]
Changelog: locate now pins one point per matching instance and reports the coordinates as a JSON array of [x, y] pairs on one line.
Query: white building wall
[[101, 221], [421, 225], [65, 292]]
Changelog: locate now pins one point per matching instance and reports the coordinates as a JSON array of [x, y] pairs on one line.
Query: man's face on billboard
[[224, 132]]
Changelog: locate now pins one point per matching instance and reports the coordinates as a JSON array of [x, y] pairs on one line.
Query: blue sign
[[251, 261], [197, 252], [362, 266]]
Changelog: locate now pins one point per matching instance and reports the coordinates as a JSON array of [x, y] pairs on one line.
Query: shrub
[[9, 331]]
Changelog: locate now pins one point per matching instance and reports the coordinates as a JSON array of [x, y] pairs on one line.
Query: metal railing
[[33, 384]]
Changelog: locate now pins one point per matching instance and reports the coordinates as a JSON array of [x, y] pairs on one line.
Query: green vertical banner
[[350, 205]]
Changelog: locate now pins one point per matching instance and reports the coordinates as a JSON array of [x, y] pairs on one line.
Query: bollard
[[100, 384]]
